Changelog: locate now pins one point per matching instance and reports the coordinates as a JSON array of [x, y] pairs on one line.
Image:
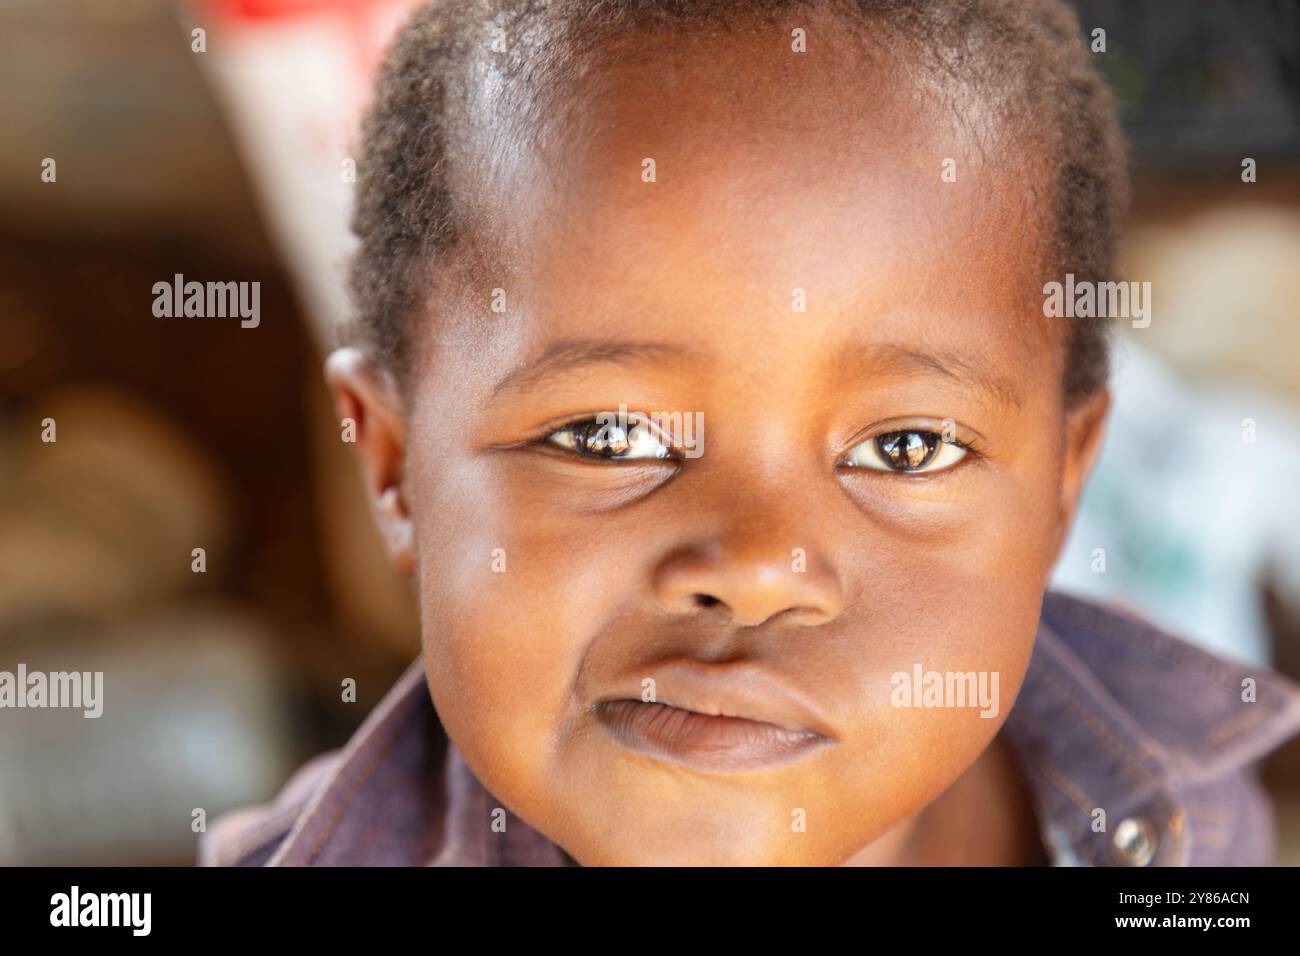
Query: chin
[[696, 846]]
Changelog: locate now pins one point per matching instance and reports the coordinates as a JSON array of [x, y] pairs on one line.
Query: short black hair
[[412, 224]]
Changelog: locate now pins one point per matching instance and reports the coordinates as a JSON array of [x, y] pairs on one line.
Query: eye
[[612, 438], [908, 451]]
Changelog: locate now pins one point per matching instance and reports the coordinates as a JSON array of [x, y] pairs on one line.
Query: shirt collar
[[1113, 715], [400, 794], [1117, 716]]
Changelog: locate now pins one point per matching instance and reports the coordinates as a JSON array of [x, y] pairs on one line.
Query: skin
[[923, 305]]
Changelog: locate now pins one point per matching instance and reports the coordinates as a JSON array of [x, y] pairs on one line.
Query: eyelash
[[970, 452]]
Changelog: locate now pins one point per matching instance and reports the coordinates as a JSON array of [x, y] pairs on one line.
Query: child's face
[[764, 578]]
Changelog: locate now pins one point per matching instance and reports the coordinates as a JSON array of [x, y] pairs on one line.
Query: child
[[595, 233]]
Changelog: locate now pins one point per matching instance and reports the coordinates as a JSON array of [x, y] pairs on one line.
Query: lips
[[702, 740], [715, 718]]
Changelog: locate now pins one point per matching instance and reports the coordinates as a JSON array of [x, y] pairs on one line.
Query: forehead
[[727, 176]]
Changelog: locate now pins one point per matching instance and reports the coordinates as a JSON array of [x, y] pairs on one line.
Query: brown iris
[[908, 451]]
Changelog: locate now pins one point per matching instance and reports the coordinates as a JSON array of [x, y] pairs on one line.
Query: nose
[[753, 578]]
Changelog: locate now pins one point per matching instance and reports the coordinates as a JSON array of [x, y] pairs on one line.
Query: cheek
[[920, 623], [510, 598], [956, 596]]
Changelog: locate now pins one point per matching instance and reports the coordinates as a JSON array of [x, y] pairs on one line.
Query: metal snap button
[[1135, 841]]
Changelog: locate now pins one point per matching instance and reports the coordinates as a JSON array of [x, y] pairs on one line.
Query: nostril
[[705, 600]]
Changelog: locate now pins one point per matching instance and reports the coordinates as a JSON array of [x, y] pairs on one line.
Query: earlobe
[[367, 396], [395, 524]]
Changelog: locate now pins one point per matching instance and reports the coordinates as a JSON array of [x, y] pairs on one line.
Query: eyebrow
[[565, 355], [968, 369]]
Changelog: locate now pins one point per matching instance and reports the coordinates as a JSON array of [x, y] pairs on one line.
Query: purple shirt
[[1113, 713]]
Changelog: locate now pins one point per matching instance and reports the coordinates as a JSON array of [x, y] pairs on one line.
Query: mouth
[[704, 741]]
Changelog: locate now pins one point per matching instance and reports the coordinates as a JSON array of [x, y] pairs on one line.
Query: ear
[[369, 399], [1085, 425]]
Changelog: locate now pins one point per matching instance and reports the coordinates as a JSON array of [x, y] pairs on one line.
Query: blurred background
[[227, 154]]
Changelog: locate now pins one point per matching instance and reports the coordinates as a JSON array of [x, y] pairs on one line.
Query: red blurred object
[[278, 9]]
